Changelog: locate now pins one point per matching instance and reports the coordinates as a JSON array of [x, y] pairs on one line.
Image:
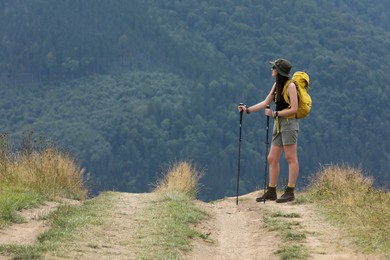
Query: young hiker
[[285, 131]]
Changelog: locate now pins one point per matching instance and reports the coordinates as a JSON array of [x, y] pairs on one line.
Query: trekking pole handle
[[268, 106], [241, 112]]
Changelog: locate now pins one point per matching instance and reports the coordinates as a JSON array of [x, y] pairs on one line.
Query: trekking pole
[[239, 154], [266, 154]]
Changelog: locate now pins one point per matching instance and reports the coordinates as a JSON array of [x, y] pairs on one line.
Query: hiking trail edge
[[233, 231]]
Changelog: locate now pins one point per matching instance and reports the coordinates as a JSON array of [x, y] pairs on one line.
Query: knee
[[272, 159], [292, 159]]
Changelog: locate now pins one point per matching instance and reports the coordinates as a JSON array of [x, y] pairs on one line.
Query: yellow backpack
[[302, 81]]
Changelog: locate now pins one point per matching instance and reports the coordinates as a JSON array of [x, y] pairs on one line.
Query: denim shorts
[[288, 132]]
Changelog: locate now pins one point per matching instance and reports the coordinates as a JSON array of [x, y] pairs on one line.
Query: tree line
[[131, 87]]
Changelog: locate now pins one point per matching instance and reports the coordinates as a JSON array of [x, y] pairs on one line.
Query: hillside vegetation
[[131, 86], [163, 229], [350, 200], [166, 223], [34, 175]]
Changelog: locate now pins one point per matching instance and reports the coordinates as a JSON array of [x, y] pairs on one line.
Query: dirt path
[[234, 232], [34, 223], [113, 239], [239, 232]]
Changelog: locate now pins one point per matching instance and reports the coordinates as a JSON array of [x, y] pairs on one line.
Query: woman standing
[[285, 131]]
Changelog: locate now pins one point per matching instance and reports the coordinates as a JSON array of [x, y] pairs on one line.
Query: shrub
[[180, 178], [350, 199], [46, 170]]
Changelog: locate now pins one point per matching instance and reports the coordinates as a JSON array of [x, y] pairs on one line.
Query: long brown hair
[[280, 82]]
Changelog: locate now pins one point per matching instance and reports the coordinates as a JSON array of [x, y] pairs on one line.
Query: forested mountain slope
[[130, 86]]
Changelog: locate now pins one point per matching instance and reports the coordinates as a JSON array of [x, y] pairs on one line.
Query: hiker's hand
[[241, 107], [268, 112]]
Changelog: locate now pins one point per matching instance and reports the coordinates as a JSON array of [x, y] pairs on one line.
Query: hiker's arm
[[264, 103], [293, 97]]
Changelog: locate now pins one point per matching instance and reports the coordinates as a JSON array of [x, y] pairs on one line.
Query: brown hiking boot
[[287, 196], [269, 195]]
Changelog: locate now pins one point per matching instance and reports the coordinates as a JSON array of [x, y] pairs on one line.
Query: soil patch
[[238, 232]]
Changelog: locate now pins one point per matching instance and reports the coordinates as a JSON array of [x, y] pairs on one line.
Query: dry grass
[[182, 177], [350, 199], [167, 226], [48, 171], [31, 176]]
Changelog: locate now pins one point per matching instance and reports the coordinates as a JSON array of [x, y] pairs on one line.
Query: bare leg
[[273, 159], [290, 152], [274, 168]]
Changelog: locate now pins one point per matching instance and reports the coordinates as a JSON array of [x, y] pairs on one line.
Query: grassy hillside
[[128, 87], [349, 200], [35, 175], [163, 229], [161, 223]]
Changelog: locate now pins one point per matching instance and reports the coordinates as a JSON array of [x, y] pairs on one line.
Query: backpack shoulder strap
[[284, 92]]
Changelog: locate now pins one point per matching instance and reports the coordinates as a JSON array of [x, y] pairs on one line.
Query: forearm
[[256, 107], [263, 104]]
